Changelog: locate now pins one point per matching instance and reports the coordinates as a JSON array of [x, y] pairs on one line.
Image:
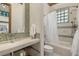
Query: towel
[[33, 30], [75, 44]]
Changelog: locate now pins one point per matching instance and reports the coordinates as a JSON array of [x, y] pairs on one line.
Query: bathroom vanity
[[11, 46], [19, 23]]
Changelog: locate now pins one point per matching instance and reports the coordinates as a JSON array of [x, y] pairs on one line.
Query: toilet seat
[[48, 50], [48, 47]]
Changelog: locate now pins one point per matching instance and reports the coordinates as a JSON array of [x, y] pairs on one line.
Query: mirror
[[18, 18], [5, 18], [12, 18]]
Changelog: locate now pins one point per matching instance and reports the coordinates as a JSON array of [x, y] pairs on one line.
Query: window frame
[[58, 12]]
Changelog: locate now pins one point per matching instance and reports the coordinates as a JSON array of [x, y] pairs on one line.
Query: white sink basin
[[16, 45]]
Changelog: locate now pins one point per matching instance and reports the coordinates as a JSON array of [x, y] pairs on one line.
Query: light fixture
[[50, 4]]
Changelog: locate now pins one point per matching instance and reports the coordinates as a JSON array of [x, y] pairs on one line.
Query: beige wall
[[46, 9], [36, 17]]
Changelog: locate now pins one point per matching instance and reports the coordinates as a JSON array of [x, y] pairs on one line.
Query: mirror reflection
[[5, 18], [12, 18]]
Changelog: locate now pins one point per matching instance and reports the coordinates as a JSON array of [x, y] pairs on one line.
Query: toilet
[[49, 50]]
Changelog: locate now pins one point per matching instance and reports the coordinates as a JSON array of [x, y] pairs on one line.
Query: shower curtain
[[50, 24]]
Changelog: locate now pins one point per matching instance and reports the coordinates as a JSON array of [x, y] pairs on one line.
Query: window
[[62, 15]]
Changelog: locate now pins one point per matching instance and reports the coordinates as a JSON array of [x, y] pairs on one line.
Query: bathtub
[[61, 48]]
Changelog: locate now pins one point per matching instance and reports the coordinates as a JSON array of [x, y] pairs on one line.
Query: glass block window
[[62, 15]]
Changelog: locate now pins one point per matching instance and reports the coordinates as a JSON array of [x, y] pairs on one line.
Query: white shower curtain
[[50, 22]]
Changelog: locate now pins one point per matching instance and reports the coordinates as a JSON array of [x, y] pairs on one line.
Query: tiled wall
[[65, 30], [11, 36]]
